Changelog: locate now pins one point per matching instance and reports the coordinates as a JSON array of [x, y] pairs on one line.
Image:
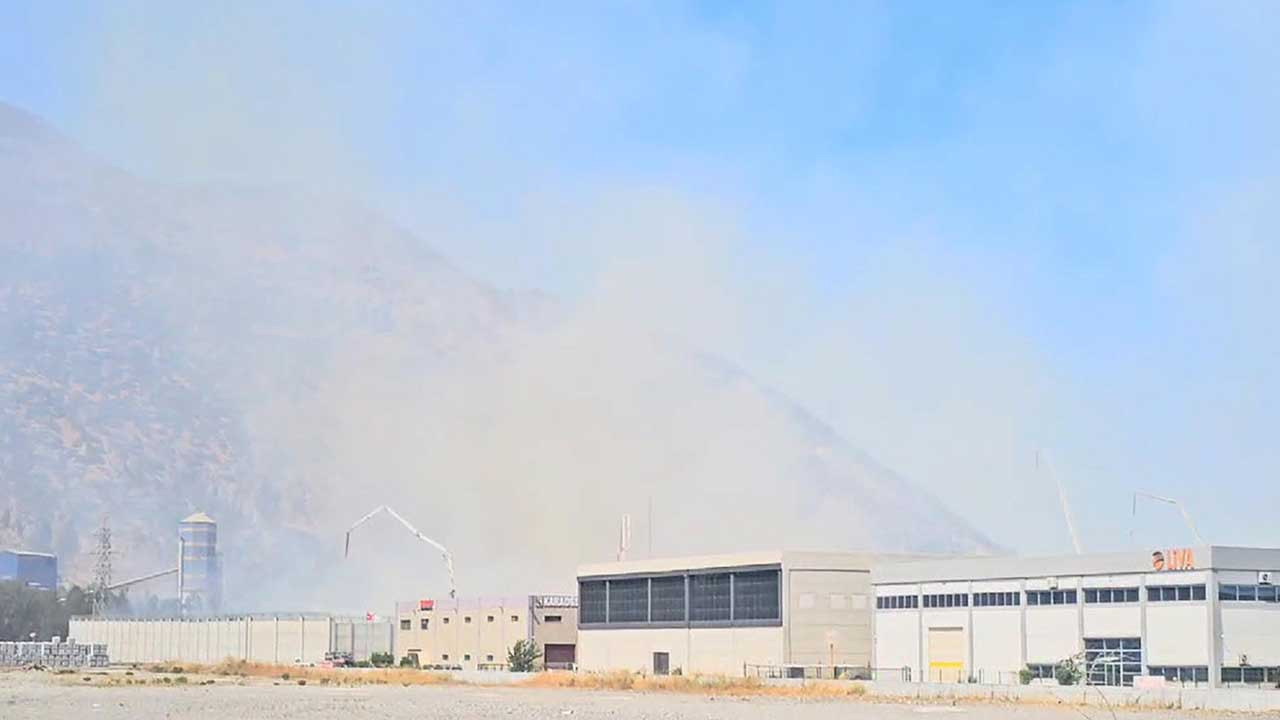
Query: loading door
[[559, 656], [946, 654], [661, 663]]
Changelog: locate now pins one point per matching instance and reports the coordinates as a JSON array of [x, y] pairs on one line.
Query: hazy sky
[[959, 232]]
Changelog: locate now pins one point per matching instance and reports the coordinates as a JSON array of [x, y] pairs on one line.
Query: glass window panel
[[1227, 592], [1247, 592], [1197, 592], [755, 595], [629, 600], [709, 597], [591, 598], [668, 599], [1131, 595]]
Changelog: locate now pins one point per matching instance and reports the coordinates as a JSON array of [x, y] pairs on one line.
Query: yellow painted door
[[946, 654]]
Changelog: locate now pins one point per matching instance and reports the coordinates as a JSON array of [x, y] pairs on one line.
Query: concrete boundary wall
[[280, 639], [1235, 699]]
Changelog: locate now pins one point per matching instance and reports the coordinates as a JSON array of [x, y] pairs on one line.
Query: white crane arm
[[444, 552], [1186, 516]]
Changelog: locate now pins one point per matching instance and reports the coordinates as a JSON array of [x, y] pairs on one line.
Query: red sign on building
[[426, 604]]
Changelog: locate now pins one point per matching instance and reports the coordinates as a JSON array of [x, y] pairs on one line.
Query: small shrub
[[302, 681], [1025, 676], [284, 676], [382, 659], [523, 656], [1067, 672], [180, 680]]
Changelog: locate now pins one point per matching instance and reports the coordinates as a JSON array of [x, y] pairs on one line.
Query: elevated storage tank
[[199, 570]]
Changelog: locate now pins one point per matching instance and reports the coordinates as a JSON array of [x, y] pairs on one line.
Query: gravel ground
[[42, 696]]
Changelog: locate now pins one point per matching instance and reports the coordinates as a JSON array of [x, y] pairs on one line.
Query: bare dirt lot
[[43, 696]]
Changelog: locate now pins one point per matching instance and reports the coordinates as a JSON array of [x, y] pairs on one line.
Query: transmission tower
[[102, 568]]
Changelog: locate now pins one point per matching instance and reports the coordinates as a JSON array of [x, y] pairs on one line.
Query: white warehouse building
[[1207, 615]]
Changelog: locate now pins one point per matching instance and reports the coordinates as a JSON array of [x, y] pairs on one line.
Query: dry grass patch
[[695, 684], [329, 676]]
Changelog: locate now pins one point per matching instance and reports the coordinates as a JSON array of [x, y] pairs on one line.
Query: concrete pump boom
[[1186, 516], [444, 552]]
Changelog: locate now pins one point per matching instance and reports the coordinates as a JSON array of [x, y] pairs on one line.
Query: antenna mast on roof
[[1062, 498]]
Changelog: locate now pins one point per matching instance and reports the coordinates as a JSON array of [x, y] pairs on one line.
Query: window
[[629, 600], [667, 599], [1043, 670], [1249, 593], [755, 595], [996, 599], [467, 657], [426, 622], [490, 618], [1112, 661], [1180, 673], [947, 600], [1175, 593], [444, 656], [406, 624], [1254, 675], [515, 618], [591, 599], [446, 621], [1110, 595], [709, 597], [552, 619], [898, 602], [488, 658], [1051, 597]]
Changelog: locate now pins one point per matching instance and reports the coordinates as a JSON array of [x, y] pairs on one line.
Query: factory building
[[38, 570], [199, 566], [1208, 616], [478, 633], [727, 614], [264, 638]]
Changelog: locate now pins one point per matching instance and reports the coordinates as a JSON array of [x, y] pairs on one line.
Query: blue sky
[[959, 231]]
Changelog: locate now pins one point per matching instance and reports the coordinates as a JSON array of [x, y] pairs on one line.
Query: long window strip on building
[[1051, 597], [997, 599], [946, 600], [898, 602], [1249, 593], [1184, 674], [1175, 593], [661, 599], [1251, 675], [1110, 595]]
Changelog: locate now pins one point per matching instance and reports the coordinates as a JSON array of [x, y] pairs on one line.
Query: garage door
[[946, 654], [559, 657]]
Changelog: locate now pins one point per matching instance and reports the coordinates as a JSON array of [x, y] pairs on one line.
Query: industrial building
[[38, 570], [264, 638], [478, 633], [1207, 615], [727, 613]]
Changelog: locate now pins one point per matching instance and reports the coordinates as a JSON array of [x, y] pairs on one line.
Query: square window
[[515, 618], [425, 623], [406, 624], [1184, 593], [1247, 593], [466, 619], [1131, 595], [1197, 592], [488, 658], [467, 657], [1227, 592], [446, 621], [444, 656], [490, 619]]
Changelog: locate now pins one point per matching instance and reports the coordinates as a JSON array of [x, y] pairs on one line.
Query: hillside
[[285, 361]]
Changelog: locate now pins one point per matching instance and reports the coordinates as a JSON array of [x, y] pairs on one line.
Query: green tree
[[523, 656], [25, 610]]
